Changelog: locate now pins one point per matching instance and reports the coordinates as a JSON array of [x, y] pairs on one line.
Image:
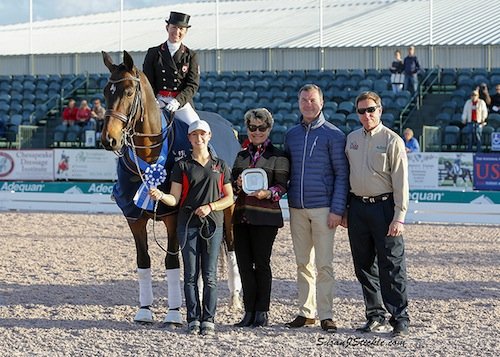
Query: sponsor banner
[[487, 171], [433, 171], [481, 197], [89, 164], [26, 164], [57, 187]]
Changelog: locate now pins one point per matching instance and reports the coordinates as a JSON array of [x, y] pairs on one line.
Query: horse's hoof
[[236, 302], [173, 317], [144, 316]]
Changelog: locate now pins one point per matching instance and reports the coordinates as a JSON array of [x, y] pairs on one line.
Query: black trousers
[[379, 259], [253, 246]]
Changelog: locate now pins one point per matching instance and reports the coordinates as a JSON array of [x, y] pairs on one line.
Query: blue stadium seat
[[388, 119], [232, 85], [261, 86], [451, 138], [456, 119], [346, 107], [448, 76], [442, 119], [221, 97], [73, 134], [352, 120], [493, 120], [207, 97], [486, 137], [380, 85], [449, 107], [357, 74], [246, 86], [338, 119], [367, 83], [372, 74], [210, 107], [290, 119], [278, 135], [342, 73]]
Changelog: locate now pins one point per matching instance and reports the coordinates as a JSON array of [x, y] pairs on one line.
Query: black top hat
[[178, 19]]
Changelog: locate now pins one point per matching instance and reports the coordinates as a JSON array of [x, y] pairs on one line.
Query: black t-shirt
[[200, 185]]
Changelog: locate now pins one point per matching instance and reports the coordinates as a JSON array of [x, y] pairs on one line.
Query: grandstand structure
[[259, 53]]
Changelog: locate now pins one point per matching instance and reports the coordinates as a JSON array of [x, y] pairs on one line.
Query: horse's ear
[[107, 61], [128, 61]]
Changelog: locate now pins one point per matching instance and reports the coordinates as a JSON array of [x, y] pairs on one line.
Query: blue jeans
[[199, 253], [474, 133], [411, 83]]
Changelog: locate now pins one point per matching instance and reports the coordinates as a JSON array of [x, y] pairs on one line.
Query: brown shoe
[[328, 325], [300, 321]]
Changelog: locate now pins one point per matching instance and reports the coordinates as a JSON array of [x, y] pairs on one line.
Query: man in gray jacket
[[317, 197]]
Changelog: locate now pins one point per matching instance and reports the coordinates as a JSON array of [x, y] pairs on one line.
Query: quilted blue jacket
[[319, 171]]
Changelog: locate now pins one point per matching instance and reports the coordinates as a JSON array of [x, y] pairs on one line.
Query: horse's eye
[[129, 92]]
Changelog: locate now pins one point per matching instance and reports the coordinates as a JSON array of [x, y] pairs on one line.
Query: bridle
[[137, 107]]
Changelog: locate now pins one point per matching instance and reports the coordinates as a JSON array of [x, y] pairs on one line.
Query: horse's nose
[[109, 141]]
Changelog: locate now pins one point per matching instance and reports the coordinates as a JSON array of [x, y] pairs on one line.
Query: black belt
[[373, 199]]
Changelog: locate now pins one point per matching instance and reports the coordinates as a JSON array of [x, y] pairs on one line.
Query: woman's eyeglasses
[[369, 110], [261, 128]]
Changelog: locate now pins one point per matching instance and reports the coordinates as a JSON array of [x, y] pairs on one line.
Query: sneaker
[[207, 328], [374, 326], [194, 328], [300, 321], [328, 325], [400, 329]]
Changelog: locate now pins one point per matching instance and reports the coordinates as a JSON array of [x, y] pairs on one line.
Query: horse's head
[[123, 101]]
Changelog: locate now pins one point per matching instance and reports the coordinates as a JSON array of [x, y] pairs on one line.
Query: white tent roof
[[267, 24]]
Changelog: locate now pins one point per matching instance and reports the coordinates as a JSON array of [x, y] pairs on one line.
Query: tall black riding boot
[[261, 319], [247, 320]]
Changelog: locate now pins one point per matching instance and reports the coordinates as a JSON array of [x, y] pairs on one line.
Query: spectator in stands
[[412, 67], [257, 215], [397, 72], [495, 100], [83, 113], [97, 114], [375, 218], [173, 71], [484, 94], [69, 113], [474, 117], [411, 143], [317, 195]]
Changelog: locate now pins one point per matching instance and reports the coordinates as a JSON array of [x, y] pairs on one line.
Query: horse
[[148, 143], [454, 171]]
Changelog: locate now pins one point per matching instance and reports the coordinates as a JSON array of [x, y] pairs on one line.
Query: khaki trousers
[[313, 247]]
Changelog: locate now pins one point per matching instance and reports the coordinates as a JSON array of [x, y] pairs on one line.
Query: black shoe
[[261, 319], [400, 329], [328, 325], [300, 321], [247, 320], [374, 326]]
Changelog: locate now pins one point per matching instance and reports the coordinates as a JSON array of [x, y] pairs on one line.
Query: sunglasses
[[261, 128], [369, 110]]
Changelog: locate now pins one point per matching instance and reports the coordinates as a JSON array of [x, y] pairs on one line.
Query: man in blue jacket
[[317, 194]]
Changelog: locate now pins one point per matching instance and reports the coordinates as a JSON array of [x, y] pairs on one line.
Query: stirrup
[[173, 317], [144, 316]]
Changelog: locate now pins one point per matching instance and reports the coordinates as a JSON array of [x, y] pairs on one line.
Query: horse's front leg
[[172, 265], [233, 274], [138, 228]]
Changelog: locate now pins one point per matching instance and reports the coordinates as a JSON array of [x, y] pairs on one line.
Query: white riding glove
[[173, 105], [163, 101]]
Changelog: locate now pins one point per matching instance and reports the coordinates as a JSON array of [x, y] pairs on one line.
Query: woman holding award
[[259, 175]]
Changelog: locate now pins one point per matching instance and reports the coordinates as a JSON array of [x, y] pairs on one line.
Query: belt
[[374, 199], [168, 93]]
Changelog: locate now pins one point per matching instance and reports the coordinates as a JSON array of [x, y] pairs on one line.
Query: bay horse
[[455, 171], [144, 139]]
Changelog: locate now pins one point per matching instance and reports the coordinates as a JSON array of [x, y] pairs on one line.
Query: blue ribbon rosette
[[153, 174]]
